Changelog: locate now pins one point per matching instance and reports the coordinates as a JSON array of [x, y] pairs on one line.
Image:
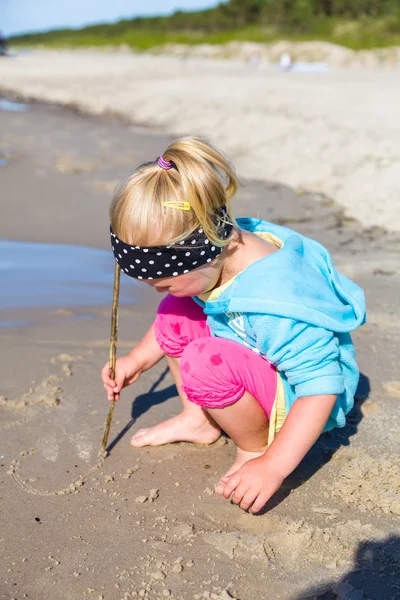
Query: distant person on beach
[[255, 326], [285, 61]]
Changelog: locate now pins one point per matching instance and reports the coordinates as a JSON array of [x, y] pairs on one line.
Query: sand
[[300, 52], [145, 523], [335, 133]]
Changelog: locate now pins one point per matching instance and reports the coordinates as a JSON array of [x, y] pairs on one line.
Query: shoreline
[[329, 133]]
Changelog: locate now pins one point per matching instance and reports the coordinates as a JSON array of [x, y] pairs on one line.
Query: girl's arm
[[257, 480], [308, 355], [301, 429], [129, 368], [148, 352]]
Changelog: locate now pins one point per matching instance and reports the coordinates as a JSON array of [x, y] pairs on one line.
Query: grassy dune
[[355, 24]]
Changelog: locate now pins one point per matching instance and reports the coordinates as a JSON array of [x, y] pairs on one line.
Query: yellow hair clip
[[180, 205]]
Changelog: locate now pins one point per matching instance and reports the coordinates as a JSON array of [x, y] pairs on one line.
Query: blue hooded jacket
[[296, 310]]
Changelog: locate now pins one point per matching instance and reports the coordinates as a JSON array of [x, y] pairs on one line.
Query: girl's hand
[[253, 484], [127, 371]]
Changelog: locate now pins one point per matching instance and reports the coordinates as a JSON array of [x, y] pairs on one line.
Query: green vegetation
[[353, 23]]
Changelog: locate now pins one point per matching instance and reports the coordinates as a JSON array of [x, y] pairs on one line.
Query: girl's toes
[[138, 442], [219, 489], [138, 437], [141, 431]]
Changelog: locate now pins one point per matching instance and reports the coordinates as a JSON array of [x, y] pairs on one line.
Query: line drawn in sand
[[48, 393], [77, 483], [69, 489]]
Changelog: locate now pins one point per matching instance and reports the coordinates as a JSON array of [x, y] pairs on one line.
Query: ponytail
[[203, 178]]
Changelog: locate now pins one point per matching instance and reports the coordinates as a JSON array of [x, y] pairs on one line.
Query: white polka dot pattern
[[155, 262]]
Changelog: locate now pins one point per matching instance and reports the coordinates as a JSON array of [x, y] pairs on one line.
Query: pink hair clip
[[165, 164]]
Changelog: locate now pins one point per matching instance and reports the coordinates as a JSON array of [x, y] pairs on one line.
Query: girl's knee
[[178, 322], [206, 374]]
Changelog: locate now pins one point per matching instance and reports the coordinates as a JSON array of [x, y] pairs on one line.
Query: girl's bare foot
[[185, 427], [242, 457]]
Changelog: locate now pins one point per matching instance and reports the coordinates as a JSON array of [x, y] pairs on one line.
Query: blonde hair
[[203, 177]]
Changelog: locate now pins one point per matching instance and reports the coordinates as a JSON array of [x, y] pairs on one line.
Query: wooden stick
[[113, 349]]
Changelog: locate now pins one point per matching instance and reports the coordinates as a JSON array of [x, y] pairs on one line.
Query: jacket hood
[[299, 281]]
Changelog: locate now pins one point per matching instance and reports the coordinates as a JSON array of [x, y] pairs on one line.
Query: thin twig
[[113, 349]]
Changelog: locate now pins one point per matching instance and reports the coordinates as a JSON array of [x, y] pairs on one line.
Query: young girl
[[255, 325]]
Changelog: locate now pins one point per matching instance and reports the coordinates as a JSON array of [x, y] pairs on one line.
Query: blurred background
[[359, 24]]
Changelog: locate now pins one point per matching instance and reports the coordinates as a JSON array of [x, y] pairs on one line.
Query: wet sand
[[336, 133], [146, 524]]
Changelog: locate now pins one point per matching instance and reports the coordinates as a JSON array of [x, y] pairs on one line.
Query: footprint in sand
[[47, 392], [295, 545], [370, 483]]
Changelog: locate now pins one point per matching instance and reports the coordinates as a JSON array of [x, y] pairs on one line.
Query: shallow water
[[8, 324], [4, 156], [41, 275], [12, 106]]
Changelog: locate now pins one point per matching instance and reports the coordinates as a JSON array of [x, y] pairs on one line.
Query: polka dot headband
[[157, 262]]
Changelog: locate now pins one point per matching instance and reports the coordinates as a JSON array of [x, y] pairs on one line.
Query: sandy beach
[[335, 133], [146, 523]]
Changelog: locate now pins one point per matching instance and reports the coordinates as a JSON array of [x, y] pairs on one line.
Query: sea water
[[11, 106], [55, 275]]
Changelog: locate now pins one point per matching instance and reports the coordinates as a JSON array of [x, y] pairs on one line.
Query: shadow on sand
[[375, 575], [142, 403]]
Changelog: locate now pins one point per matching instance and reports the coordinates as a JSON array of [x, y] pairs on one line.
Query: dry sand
[[146, 524], [337, 133], [315, 52]]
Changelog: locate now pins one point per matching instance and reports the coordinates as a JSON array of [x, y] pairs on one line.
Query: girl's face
[[194, 283]]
